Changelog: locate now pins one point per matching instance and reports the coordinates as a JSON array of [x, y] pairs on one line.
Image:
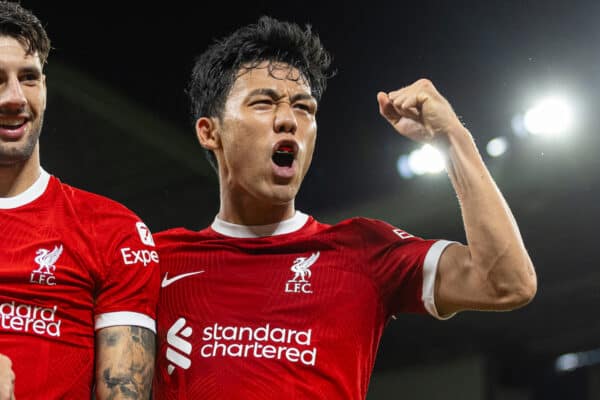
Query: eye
[[305, 107], [30, 78], [261, 102]]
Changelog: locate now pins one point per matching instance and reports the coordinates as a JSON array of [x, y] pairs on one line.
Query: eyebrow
[[276, 96], [28, 69], [31, 70]]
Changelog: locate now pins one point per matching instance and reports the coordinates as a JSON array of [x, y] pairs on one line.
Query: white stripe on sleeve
[[126, 318], [430, 267]]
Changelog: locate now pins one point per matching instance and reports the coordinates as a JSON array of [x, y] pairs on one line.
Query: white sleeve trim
[[430, 267], [124, 318]]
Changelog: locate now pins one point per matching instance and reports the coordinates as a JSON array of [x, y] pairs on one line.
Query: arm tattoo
[[125, 362]]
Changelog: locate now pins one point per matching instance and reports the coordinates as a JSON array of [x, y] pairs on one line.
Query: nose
[[285, 120], [12, 96]]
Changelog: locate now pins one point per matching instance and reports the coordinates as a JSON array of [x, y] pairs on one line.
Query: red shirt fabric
[[287, 311], [71, 262]]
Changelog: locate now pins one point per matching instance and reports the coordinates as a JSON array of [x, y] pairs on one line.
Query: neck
[[18, 177], [242, 210]]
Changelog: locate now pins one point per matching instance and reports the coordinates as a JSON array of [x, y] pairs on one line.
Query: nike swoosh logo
[[167, 281]]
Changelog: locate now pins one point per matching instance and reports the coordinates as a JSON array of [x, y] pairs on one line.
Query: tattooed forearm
[[125, 362]]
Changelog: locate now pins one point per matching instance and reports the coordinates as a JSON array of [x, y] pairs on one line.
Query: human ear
[[207, 132]]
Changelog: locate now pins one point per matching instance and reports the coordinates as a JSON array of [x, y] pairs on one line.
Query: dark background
[[117, 124]]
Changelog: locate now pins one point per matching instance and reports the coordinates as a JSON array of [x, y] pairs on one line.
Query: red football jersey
[[71, 262], [287, 311]]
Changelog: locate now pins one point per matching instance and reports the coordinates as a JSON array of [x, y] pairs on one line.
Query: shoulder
[[367, 231], [87, 202], [179, 236], [109, 221], [363, 225], [174, 234]]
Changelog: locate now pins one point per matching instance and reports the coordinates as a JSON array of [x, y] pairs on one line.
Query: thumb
[[386, 108]]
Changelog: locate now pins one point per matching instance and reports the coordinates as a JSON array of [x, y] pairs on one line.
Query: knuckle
[[424, 82]]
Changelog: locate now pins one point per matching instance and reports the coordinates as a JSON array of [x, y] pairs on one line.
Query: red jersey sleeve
[[402, 266], [128, 276]]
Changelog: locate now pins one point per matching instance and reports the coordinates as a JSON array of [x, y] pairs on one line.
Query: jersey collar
[[33, 192], [255, 231]]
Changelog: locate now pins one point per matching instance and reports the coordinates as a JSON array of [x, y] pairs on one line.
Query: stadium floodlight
[[572, 361], [567, 362], [552, 116], [403, 167], [426, 160], [518, 126], [497, 146]]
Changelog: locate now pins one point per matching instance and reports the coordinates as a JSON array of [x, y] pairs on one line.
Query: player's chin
[[283, 193]]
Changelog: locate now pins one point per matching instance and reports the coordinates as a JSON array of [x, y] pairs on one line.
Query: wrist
[[457, 134], [460, 147], [458, 138]]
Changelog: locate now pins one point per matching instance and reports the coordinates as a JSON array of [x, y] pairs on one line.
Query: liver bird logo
[[46, 259], [301, 267]]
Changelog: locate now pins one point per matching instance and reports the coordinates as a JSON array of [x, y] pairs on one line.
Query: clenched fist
[[419, 112]]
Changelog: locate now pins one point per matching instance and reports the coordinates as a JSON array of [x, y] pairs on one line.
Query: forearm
[[125, 362], [493, 272], [495, 245]]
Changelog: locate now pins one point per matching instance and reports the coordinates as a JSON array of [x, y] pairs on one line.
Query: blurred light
[[403, 167], [497, 146], [426, 160], [518, 126], [551, 116], [567, 362], [571, 361]]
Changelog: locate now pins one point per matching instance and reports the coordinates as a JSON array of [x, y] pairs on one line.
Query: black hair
[[271, 40], [20, 23]]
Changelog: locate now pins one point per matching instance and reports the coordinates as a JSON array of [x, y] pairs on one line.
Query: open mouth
[[284, 154], [12, 124]]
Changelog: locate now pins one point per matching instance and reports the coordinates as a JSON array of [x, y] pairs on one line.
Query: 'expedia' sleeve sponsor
[[402, 266], [127, 291]]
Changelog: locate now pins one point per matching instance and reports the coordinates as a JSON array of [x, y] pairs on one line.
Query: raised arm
[[124, 362], [494, 271]]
